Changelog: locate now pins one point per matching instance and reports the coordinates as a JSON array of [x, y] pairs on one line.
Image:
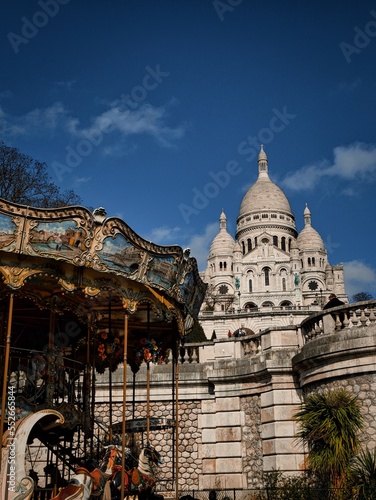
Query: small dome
[[309, 238], [223, 243]]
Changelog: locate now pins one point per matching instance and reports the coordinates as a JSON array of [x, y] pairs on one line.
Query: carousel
[[82, 294]]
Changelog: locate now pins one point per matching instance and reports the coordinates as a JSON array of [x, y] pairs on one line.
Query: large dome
[[264, 194], [264, 204]]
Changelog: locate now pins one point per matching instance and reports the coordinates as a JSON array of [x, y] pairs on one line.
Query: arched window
[[249, 243], [243, 247], [220, 266], [283, 284], [267, 276], [283, 243], [309, 261], [225, 265], [250, 286], [267, 304], [250, 305], [313, 261], [275, 241], [286, 303]]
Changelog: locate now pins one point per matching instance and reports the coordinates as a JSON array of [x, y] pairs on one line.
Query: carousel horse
[[138, 481], [56, 481], [80, 487], [15, 484], [91, 481], [104, 482]]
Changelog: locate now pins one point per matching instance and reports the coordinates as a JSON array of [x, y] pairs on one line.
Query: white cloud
[[354, 162], [34, 122], [200, 244], [359, 277], [65, 84], [81, 180], [164, 235], [304, 179], [6, 94], [349, 86], [145, 120]]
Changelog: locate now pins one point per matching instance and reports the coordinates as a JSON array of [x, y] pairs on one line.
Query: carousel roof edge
[[90, 239], [98, 217]]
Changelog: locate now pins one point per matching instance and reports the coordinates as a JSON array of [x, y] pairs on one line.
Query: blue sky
[[155, 110]]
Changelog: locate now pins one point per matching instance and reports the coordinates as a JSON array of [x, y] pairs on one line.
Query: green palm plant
[[329, 424], [362, 475]]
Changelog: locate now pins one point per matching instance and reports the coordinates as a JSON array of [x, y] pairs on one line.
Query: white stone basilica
[[270, 275]]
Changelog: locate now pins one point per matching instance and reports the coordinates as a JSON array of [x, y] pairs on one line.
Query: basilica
[[270, 274]]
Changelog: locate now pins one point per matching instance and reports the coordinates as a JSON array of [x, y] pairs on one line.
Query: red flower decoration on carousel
[[110, 349], [148, 351]]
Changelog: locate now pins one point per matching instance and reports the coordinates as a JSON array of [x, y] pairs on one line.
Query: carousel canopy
[[72, 272]]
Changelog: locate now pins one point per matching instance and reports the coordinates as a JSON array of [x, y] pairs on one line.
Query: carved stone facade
[[269, 268]]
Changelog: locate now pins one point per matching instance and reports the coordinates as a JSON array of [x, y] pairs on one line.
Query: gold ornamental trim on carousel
[[90, 239]]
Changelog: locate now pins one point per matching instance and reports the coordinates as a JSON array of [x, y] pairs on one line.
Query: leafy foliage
[[303, 486], [329, 425], [362, 475], [26, 181], [196, 333]]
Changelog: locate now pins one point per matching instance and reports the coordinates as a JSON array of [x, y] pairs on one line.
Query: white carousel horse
[[79, 488], [15, 484], [105, 483], [139, 481]]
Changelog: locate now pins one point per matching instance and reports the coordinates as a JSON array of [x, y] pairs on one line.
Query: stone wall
[[364, 388], [190, 465], [253, 462], [236, 405]]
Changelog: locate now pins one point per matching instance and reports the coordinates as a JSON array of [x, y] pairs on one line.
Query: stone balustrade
[[237, 347], [339, 318]]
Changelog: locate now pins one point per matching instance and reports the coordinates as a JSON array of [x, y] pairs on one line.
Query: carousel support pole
[[110, 400], [124, 424], [148, 402], [173, 413], [6, 366], [87, 387], [177, 422], [50, 389], [110, 370], [148, 384]]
